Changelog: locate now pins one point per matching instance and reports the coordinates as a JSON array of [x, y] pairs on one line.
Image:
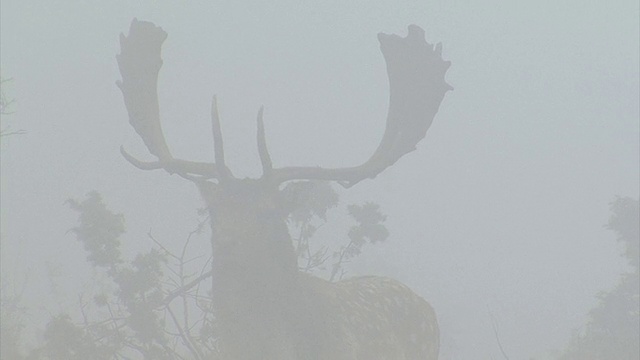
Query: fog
[[496, 219]]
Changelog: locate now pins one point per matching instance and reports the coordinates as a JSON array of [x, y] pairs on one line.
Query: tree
[[11, 313], [5, 109], [11, 324], [139, 317], [613, 331]]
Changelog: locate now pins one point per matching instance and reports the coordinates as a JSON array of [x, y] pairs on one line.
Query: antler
[[417, 87], [139, 62]]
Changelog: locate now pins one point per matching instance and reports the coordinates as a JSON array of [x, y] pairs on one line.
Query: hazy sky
[[500, 210]]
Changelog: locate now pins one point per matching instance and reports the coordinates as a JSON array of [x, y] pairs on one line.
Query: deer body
[[265, 307], [360, 318], [268, 309]]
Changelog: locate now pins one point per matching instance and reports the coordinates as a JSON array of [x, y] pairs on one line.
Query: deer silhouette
[[266, 308]]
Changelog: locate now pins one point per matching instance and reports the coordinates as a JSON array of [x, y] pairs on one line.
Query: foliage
[[368, 229], [613, 331], [115, 324], [5, 102], [136, 315], [308, 199], [624, 221], [99, 230], [5, 108], [65, 340], [309, 202], [11, 326]]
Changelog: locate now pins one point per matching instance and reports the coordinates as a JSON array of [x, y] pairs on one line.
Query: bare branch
[[187, 340], [180, 291], [7, 132], [338, 264], [495, 333]]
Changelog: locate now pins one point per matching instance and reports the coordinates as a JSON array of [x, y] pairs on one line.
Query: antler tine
[[265, 158], [175, 166], [417, 87], [218, 144], [140, 62]]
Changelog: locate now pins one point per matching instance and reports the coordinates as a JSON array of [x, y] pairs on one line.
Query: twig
[[185, 337], [8, 133], [181, 290], [338, 265], [84, 315], [495, 332]]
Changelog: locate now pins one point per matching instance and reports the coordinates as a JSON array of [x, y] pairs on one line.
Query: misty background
[[499, 212]]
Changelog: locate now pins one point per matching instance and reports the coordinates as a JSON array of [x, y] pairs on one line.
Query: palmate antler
[[139, 62], [417, 87]]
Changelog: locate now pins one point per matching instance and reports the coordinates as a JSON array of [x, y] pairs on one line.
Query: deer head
[[251, 244]]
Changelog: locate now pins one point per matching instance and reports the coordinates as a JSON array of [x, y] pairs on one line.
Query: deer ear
[[208, 190]]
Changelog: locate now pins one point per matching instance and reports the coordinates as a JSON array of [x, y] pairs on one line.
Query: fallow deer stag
[[266, 307]]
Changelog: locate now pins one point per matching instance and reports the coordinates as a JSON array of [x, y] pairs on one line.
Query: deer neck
[[253, 296], [247, 276]]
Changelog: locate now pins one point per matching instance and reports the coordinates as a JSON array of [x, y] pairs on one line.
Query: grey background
[[500, 210]]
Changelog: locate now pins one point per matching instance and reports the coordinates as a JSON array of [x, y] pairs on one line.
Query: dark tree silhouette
[[613, 331]]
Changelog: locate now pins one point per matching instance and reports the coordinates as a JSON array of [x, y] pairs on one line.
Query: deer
[[265, 306]]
